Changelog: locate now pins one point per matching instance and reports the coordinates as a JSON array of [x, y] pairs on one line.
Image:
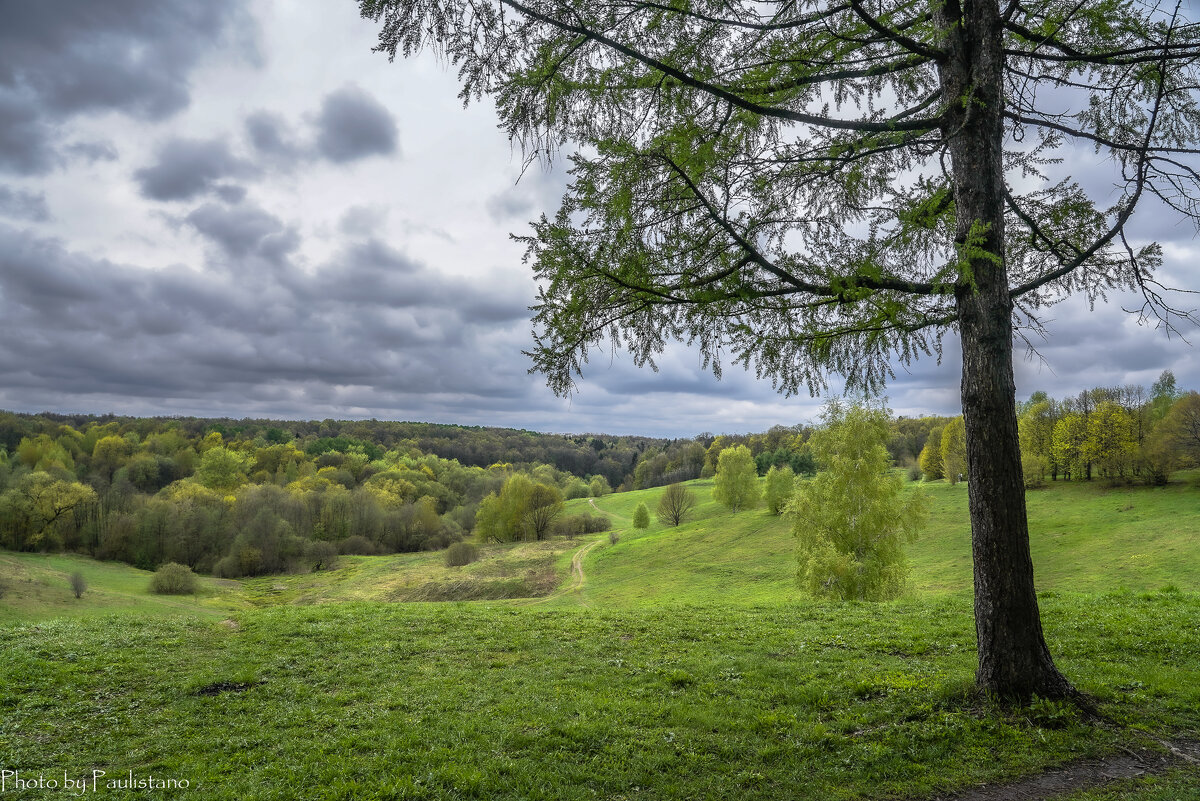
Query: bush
[[78, 584], [321, 555], [641, 516], [584, 523], [914, 472], [173, 579], [357, 544], [462, 553], [613, 537]]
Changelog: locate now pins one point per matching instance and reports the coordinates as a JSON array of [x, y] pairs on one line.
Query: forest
[[250, 497]]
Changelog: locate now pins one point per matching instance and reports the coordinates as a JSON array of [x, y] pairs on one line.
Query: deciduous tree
[[545, 503], [829, 186], [930, 460], [954, 450], [780, 484], [674, 504], [736, 483], [852, 519]]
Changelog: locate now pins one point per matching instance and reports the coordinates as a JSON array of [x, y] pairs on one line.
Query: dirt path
[[1086, 774], [592, 502], [577, 576]]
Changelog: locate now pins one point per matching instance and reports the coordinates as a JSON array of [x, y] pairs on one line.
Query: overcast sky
[[234, 207]]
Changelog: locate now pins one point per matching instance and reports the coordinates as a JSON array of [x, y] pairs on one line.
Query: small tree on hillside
[[676, 501], [780, 485], [736, 482], [78, 584], [954, 450], [544, 505], [850, 522], [930, 458], [641, 516]]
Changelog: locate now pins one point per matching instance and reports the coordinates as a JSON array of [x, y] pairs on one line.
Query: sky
[[236, 208]]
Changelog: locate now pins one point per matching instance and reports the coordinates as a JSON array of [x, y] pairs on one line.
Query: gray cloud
[[537, 191], [61, 59], [370, 327], [25, 137], [18, 204], [185, 168], [243, 230], [93, 151], [268, 136], [352, 125]]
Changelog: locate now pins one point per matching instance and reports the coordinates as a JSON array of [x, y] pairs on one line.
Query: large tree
[[828, 186]]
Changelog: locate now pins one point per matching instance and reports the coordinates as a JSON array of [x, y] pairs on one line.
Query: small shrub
[[641, 516], [357, 544], [462, 553], [173, 579], [78, 584], [614, 537], [227, 567], [321, 555], [584, 523], [914, 472]]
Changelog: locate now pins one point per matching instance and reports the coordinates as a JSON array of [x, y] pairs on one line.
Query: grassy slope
[[38, 589], [686, 668], [1083, 537]]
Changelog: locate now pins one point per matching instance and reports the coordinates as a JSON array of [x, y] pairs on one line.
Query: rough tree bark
[[1014, 660]]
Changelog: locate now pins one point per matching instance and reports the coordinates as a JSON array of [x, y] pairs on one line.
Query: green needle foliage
[[851, 521]]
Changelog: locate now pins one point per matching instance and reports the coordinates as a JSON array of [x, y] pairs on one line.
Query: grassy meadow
[[681, 664]]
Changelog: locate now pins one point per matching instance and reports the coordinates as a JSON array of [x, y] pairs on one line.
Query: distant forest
[[250, 497]]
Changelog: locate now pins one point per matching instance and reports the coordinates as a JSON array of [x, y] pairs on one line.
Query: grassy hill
[[683, 664], [1084, 537], [37, 588]]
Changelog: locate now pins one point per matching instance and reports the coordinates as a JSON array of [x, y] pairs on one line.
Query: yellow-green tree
[[1069, 446], [736, 482], [1036, 427], [1111, 440], [780, 485], [852, 520], [221, 468], [954, 450], [930, 458], [32, 510]]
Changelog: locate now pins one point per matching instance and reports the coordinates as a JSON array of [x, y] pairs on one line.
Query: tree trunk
[[1014, 661]]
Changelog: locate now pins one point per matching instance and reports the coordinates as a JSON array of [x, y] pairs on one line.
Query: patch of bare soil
[[1085, 774], [216, 688]]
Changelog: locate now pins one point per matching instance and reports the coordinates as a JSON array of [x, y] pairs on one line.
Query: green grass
[[802, 700], [37, 588], [1084, 537], [686, 666], [512, 570]]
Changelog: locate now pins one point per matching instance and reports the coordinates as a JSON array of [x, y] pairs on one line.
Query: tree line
[[1118, 434], [234, 505]]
